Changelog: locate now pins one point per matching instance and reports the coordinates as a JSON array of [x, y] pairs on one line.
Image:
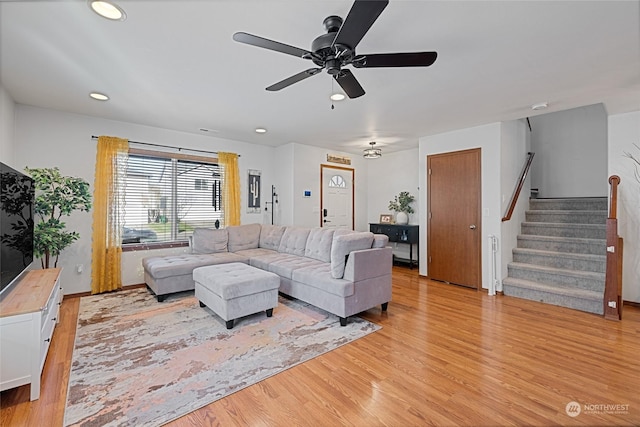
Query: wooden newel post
[[613, 279]]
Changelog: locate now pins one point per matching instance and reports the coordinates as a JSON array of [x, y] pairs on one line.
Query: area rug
[[143, 363]]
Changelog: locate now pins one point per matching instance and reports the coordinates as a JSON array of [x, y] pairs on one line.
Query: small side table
[[398, 233]]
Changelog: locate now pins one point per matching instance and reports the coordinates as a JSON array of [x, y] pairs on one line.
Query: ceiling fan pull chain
[[332, 92]]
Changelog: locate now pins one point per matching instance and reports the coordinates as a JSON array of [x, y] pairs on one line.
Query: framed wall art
[[254, 183]]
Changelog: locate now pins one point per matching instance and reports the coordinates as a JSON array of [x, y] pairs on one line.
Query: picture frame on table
[[386, 219]]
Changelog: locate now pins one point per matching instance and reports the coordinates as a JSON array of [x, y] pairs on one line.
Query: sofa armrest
[[368, 263]]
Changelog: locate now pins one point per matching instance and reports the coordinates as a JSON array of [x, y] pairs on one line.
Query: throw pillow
[[209, 241], [343, 245]]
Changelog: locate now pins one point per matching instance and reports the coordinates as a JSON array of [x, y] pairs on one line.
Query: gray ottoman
[[236, 290]]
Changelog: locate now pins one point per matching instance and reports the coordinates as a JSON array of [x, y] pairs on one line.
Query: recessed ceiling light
[[261, 130], [539, 106], [99, 96], [108, 10], [337, 97]]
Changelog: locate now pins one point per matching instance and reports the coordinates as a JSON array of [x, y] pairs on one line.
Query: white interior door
[[336, 210]]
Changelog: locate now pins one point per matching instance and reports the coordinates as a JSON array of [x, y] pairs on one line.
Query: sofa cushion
[[256, 253], [209, 241], [263, 261], [270, 236], [319, 277], [294, 241], [319, 244], [243, 237], [342, 245], [177, 265], [380, 241], [284, 267]]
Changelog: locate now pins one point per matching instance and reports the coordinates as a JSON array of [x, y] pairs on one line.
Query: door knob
[[472, 226]]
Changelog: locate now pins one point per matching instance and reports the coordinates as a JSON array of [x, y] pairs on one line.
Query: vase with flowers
[[401, 204]]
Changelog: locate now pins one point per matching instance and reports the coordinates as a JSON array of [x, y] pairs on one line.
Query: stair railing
[[613, 279], [519, 185]]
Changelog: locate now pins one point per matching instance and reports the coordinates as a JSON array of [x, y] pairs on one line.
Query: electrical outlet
[[79, 268]]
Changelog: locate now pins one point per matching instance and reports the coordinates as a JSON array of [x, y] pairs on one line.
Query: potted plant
[[56, 195], [402, 205]]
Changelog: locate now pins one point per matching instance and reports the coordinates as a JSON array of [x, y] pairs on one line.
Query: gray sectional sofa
[[340, 271]]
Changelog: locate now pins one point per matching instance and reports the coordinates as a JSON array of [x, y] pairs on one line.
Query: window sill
[[132, 247]]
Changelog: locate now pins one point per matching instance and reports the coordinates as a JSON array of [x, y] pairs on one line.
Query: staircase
[[561, 254]]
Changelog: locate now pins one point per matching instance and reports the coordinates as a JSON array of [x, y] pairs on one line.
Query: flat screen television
[[17, 198]]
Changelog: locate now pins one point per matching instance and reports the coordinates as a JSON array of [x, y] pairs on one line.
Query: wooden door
[[454, 250]]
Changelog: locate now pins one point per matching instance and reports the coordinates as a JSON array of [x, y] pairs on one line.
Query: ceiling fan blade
[[411, 59], [361, 17], [349, 84], [294, 79], [269, 44]]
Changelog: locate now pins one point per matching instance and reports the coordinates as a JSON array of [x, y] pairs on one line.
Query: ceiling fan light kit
[[337, 49], [372, 152]]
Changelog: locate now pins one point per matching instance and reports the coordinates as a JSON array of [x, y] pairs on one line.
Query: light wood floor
[[445, 356]]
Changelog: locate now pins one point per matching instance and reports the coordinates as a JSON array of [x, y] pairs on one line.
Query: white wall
[[624, 131], [48, 138], [570, 147], [387, 176], [284, 174], [7, 126], [306, 176], [487, 138], [515, 144]]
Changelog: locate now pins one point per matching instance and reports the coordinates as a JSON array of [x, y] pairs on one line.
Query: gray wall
[[571, 153]]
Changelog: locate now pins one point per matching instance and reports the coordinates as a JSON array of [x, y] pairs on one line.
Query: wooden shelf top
[[31, 293]]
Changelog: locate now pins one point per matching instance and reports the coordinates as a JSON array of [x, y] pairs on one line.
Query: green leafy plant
[[56, 196], [402, 203], [14, 196]]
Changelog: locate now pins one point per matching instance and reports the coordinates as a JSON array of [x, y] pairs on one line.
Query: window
[[337, 181], [167, 196]]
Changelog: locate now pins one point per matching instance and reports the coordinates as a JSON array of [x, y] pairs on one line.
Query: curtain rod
[[168, 146]]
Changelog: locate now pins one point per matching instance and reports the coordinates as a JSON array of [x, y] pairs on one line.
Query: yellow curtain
[[231, 189], [108, 208]]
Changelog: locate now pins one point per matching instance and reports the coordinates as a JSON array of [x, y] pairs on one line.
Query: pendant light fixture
[[372, 152]]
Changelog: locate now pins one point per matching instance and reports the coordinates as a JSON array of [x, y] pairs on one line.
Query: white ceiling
[[173, 64]]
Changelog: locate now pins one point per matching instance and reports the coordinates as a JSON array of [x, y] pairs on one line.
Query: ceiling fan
[[337, 49]]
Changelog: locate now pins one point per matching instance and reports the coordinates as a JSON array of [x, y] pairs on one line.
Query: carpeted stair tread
[[563, 244], [565, 260], [587, 231], [557, 276], [559, 271], [586, 203], [552, 289], [567, 216], [578, 299]]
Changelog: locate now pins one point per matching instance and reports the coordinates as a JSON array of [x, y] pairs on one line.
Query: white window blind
[[167, 197]]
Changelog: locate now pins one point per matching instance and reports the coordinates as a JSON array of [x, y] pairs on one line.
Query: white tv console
[[28, 315]]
